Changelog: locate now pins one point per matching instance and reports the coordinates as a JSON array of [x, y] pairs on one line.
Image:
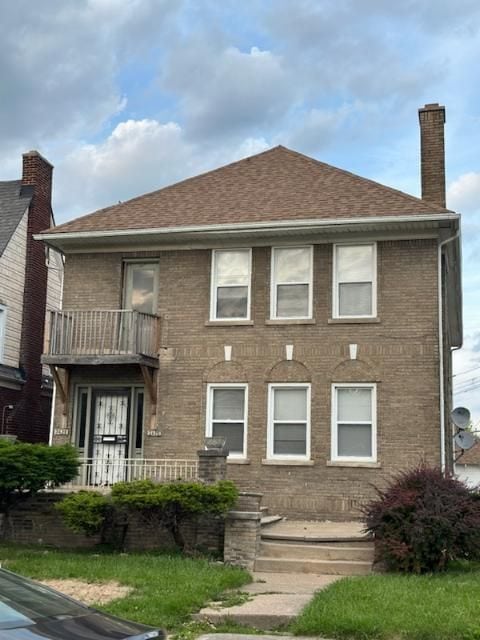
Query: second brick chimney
[[432, 153]]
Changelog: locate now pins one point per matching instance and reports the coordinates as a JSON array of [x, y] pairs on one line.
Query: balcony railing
[[102, 472], [102, 333]]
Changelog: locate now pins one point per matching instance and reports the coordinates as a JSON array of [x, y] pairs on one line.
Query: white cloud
[[464, 193], [139, 156], [228, 91]]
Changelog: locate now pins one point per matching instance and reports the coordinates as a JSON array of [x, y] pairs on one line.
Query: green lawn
[[167, 589], [430, 607]]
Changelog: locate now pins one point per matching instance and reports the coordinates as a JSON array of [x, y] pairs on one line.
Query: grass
[[429, 607], [167, 588]]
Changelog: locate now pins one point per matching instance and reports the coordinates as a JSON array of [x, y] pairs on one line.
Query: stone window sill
[[288, 463], [275, 321], [355, 464], [229, 323], [238, 460], [353, 320]]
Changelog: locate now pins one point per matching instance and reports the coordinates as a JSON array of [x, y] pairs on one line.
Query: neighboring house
[[27, 285], [302, 312], [467, 466]]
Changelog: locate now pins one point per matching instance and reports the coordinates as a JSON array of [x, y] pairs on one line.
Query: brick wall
[[31, 418], [399, 353]]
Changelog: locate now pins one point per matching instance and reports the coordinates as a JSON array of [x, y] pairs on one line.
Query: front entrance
[[109, 447]]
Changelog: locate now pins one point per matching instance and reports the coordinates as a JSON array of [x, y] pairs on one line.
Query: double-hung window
[[288, 421], [354, 422], [291, 282], [231, 275], [3, 328], [354, 280], [227, 410]]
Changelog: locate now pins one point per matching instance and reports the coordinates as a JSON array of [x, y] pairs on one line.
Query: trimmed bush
[[424, 519], [27, 468], [167, 505], [170, 504], [84, 512]]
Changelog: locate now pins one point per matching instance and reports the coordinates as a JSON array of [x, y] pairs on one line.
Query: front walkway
[[276, 598]]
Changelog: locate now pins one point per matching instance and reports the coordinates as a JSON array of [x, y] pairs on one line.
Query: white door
[[110, 437]]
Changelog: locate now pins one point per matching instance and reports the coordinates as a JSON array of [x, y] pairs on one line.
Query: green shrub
[[424, 519], [171, 504], [84, 512], [27, 468]]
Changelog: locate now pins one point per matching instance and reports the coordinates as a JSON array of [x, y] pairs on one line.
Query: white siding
[[12, 284], [469, 473], [54, 290]]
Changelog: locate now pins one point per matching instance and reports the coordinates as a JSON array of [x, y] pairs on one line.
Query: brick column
[[242, 531], [212, 465]]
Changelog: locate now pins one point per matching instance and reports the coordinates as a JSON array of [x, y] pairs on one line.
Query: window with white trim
[[354, 422], [354, 280], [227, 410], [291, 282], [288, 421], [231, 275], [3, 328]]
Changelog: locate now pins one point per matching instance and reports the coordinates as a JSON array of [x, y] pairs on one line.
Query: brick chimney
[[432, 153], [36, 179]]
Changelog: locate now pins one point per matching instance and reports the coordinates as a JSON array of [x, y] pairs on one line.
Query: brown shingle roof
[[273, 186], [471, 456]]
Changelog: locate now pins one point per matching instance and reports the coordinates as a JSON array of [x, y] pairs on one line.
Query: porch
[[102, 473]]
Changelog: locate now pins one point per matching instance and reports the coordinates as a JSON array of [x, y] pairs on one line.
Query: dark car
[[31, 611]]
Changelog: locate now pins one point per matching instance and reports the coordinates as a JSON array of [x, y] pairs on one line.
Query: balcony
[[101, 337]]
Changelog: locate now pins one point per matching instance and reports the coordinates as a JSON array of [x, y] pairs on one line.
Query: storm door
[[109, 446]]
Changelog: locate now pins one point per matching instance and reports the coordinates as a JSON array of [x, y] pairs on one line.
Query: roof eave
[[71, 240]]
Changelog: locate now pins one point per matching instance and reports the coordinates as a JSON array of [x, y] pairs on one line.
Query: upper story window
[[288, 421], [230, 291], [354, 422], [227, 416], [291, 283], [3, 327], [141, 284], [354, 280]]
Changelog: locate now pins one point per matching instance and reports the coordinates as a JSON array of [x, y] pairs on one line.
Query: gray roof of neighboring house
[[14, 200]]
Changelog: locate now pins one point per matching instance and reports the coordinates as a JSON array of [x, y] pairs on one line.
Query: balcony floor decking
[[69, 359]]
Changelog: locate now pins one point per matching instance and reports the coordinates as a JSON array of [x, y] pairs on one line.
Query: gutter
[[440, 344], [244, 227]]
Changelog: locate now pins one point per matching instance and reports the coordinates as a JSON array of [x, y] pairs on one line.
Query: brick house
[[302, 312], [29, 283]]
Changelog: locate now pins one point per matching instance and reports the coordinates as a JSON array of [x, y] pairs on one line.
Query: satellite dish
[[464, 440], [460, 417]]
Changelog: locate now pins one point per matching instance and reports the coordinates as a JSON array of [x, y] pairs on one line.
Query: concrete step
[[266, 520], [319, 567], [317, 551]]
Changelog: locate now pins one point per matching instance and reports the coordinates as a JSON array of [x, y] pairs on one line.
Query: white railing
[[103, 473], [101, 332]]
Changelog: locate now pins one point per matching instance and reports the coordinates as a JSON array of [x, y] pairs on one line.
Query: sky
[[127, 96]]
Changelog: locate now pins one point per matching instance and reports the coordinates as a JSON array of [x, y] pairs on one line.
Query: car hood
[[92, 626]]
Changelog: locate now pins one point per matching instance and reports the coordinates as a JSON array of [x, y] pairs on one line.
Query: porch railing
[[103, 472], [102, 332]]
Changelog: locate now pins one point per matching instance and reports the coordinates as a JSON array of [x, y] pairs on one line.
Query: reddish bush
[[424, 519]]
